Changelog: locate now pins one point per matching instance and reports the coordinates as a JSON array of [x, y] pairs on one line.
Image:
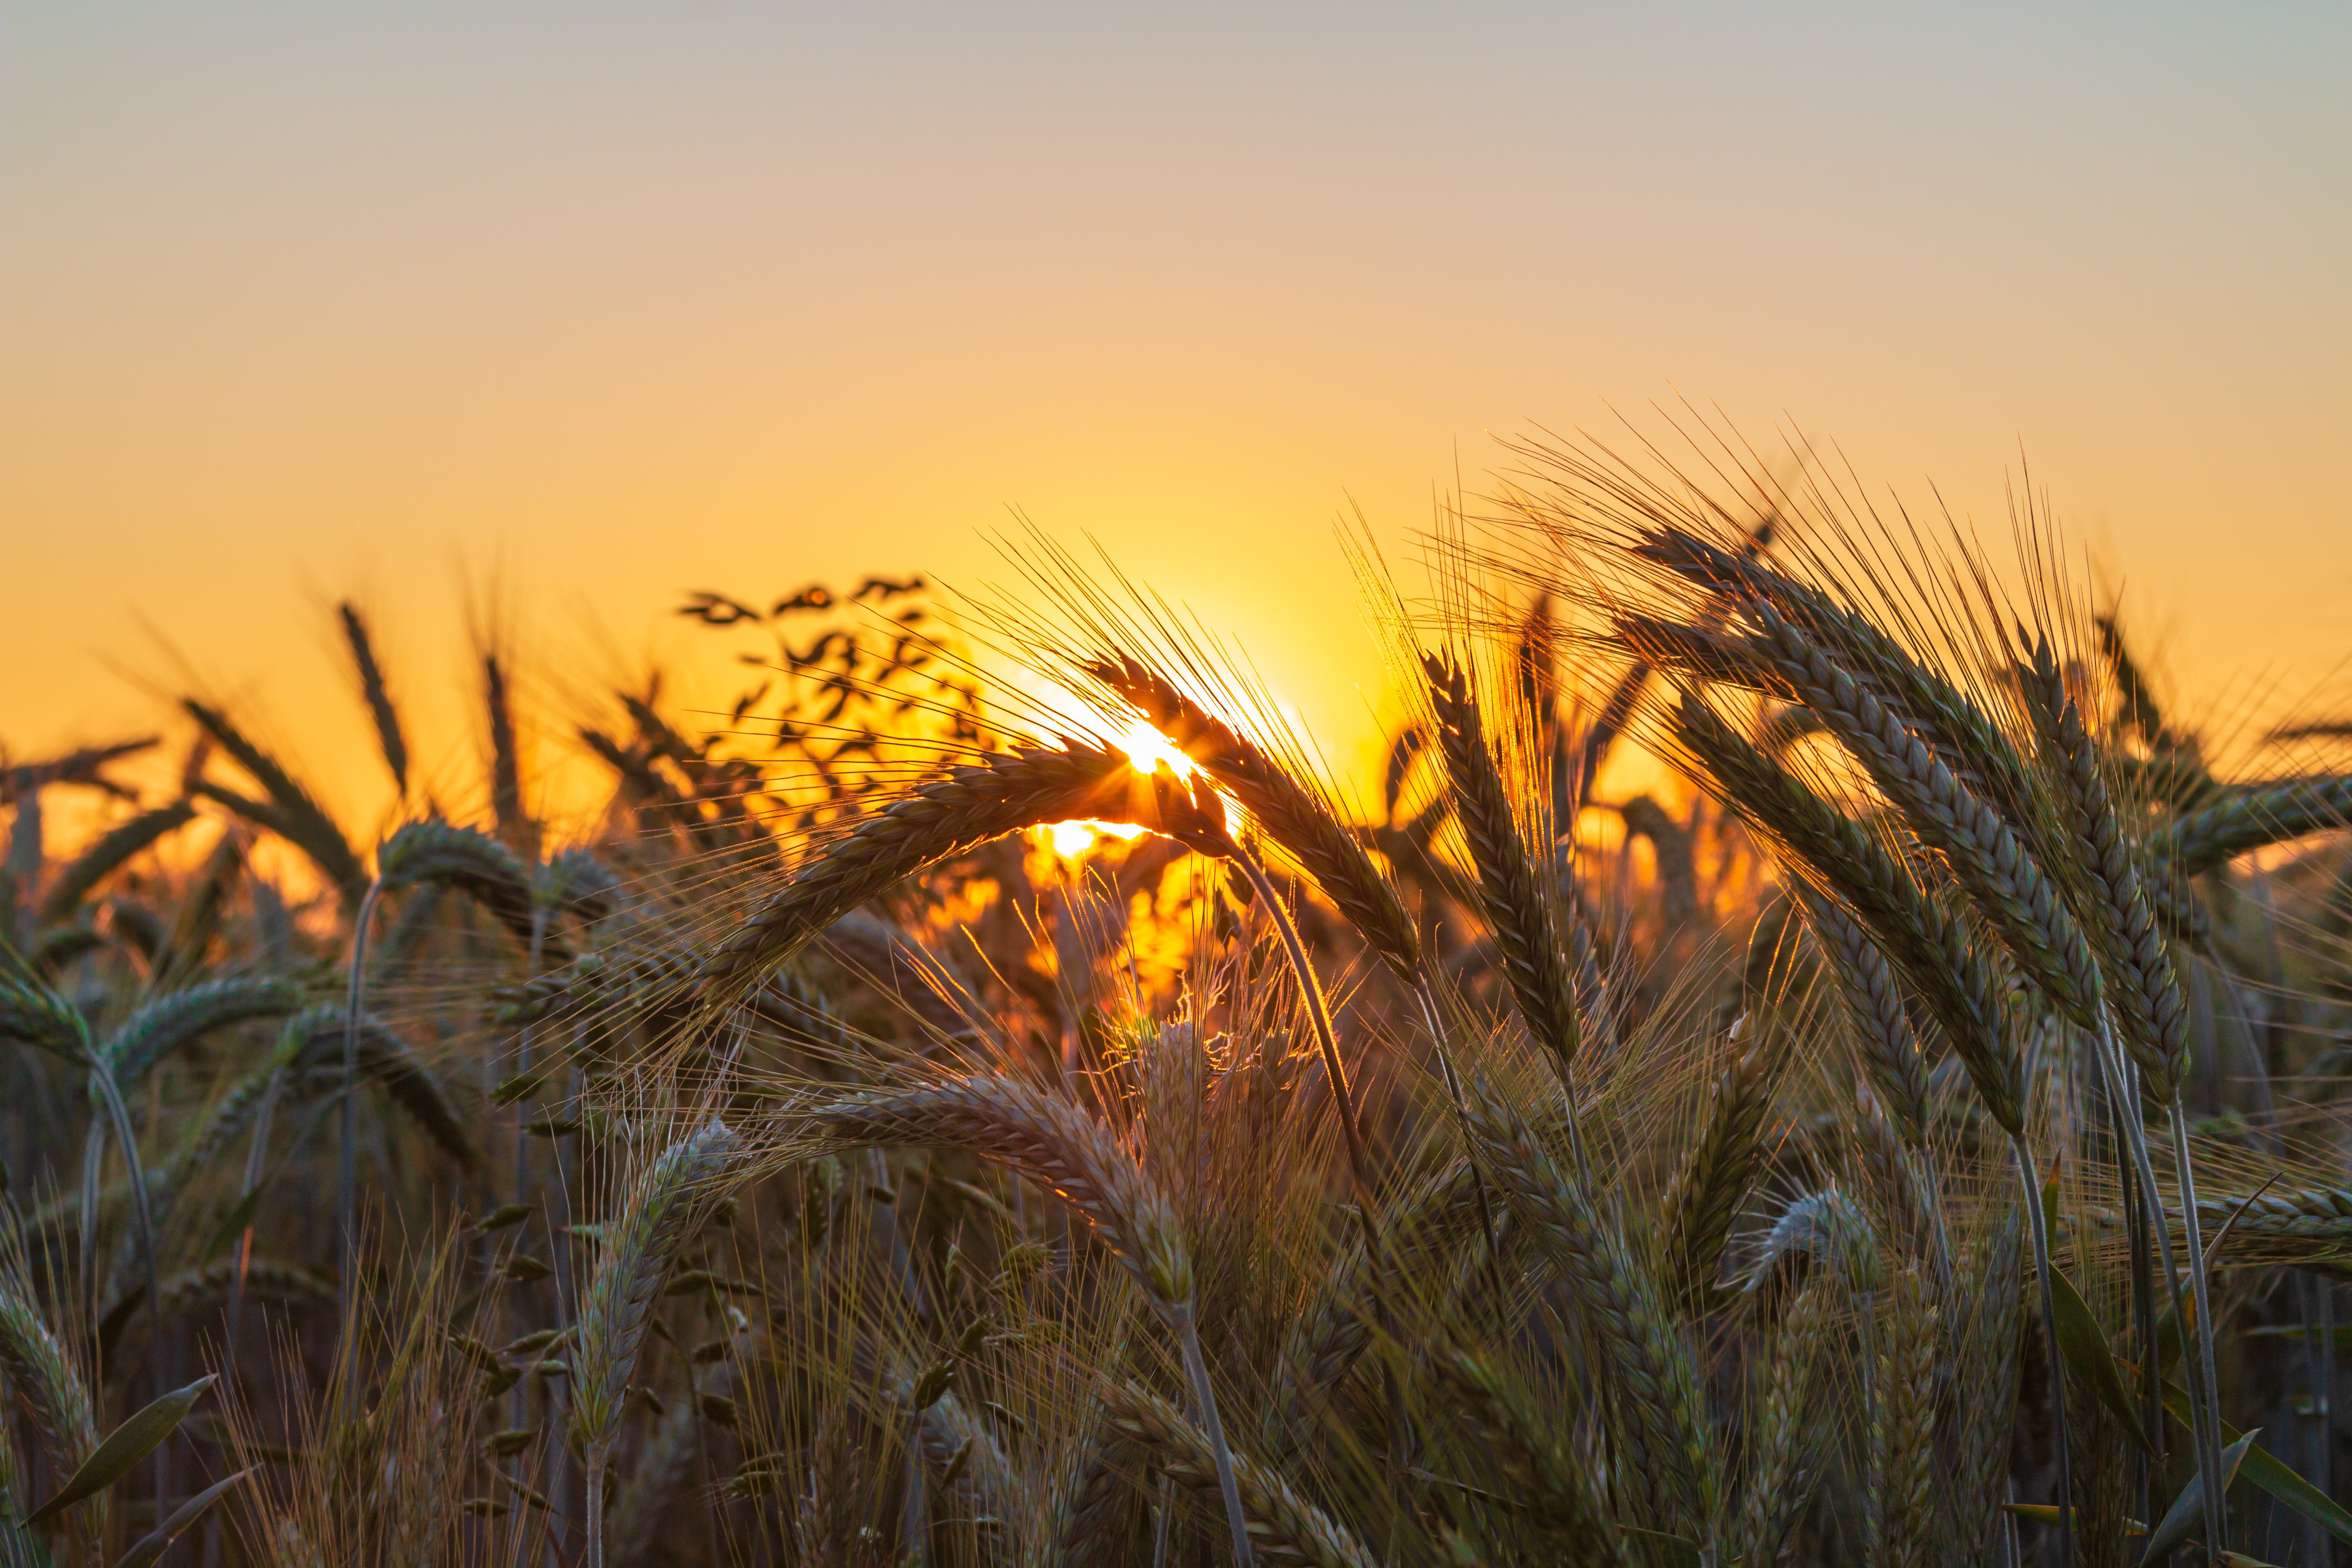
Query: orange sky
[[626, 300]]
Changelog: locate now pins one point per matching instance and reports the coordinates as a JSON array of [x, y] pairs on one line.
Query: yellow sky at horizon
[[614, 303]]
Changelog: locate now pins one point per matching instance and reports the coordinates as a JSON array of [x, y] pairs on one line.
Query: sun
[[1147, 749]]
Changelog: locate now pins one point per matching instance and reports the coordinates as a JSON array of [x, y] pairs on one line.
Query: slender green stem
[[256, 1160], [1204, 1402], [592, 1553], [2041, 1233], [348, 1182], [2124, 1088], [143, 1219], [2207, 1388]]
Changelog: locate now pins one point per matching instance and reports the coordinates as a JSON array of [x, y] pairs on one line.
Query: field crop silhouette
[[992, 1098]]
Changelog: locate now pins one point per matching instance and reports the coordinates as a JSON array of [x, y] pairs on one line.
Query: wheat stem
[[347, 1170], [2040, 1232]]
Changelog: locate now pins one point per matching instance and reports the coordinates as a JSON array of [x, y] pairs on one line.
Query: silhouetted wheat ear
[[973, 803], [1903, 1434], [1986, 856], [378, 698], [446, 855], [2260, 815], [1289, 813], [1784, 1444], [1705, 1190], [1888, 1046], [1649, 1371], [292, 811], [1930, 948], [1283, 1527], [641, 1243], [1519, 915], [93, 865], [1048, 1139], [2142, 984], [1555, 1488]]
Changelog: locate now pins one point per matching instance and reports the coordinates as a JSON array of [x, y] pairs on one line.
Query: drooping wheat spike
[[43, 1377], [1102, 1512], [161, 1027], [577, 883], [1519, 915], [1290, 813], [1048, 1139], [1903, 1437], [1887, 1044], [1917, 935], [1649, 1372], [2143, 986], [1707, 1188], [1963, 737], [292, 811], [1986, 856], [377, 696], [1335, 1328], [384, 1058], [663, 1203], [1283, 1527], [1903, 1179], [95, 864], [1786, 1440], [1987, 1363], [2261, 814], [2310, 1230], [1523, 1442], [34, 1016], [443, 854], [1001, 793]]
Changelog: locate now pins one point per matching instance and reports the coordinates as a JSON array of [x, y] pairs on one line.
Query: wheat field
[[930, 1118]]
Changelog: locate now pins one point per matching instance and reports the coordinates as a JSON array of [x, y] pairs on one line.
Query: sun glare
[[1147, 749]]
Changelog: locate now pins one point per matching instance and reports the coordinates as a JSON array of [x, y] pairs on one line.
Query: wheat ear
[[2142, 984], [42, 1375], [1555, 1488], [1903, 1437], [654, 1221], [1649, 1372], [1888, 1044], [2264, 814], [1289, 813], [1519, 916], [1277, 1522], [1930, 948], [1987, 856], [999, 794], [1781, 1448], [1705, 1190]]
